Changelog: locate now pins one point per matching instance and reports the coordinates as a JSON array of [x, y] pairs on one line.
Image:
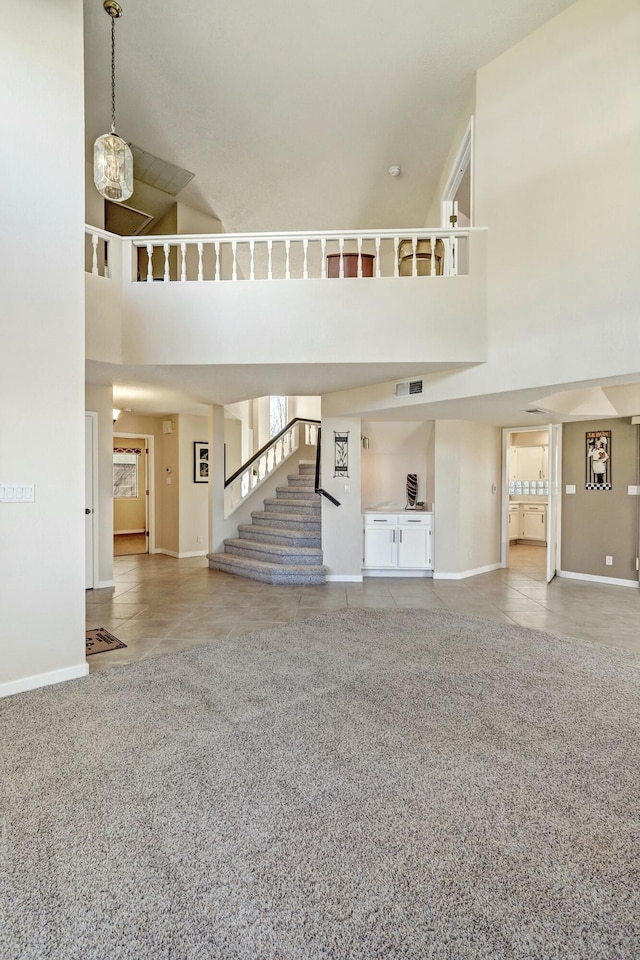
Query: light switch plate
[[570, 488], [633, 490], [17, 492]]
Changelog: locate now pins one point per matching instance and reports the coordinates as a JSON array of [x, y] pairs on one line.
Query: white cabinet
[[398, 541], [514, 521], [534, 521], [529, 463], [380, 543]]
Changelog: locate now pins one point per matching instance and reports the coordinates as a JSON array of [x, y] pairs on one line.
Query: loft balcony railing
[[334, 254]]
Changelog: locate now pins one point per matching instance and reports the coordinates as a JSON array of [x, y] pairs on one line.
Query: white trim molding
[[467, 573], [181, 556], [378, 572], [343, 578], [102, 584], [591, 578], [43, 679]]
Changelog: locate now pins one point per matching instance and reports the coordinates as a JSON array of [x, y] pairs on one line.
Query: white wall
[[396, 448], [342, 526], [467, 512], [100, 400], [194, 508], [42, 355]]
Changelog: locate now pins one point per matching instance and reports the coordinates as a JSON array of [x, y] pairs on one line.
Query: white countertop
[[395, 510]]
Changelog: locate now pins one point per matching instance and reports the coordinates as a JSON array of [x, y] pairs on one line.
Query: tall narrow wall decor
[[341, 454]]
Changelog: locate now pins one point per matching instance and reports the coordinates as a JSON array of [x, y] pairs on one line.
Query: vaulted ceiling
[[289, 113]]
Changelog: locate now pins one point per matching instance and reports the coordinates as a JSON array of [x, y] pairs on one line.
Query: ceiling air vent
[[408, 388]]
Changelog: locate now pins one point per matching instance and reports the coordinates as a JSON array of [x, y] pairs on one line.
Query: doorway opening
[[531, 466], [132, 489]]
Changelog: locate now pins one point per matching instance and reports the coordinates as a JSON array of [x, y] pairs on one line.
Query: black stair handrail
[[317, 487], [263, 449]]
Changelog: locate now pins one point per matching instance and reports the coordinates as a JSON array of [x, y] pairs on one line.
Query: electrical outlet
[[608, 561], [198, 539]]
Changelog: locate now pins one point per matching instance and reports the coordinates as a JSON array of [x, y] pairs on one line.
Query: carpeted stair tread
[[268, 572], [265, 534], [273, 552], [297, 493], [286, 504], [291, 519]]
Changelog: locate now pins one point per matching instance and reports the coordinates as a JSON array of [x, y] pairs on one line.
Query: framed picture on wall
[[598, 460], [200, 462]]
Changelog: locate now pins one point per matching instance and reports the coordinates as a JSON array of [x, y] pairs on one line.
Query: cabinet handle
[[401, 536], [380, 521], [394, 536]]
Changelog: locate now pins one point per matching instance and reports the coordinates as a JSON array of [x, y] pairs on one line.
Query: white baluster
[[94, 258], [377, 256], [341, 245], [167, 275], [200, 270], [245, 483], [414, 267], [305, 271], [396, 266], [216, 245], [234, 269], [454, 256], [107, 252], [360, 257], [183, 269], [287, 271], [269, 259], [323, 249], [433, 257], [149, 262], [252, 274]]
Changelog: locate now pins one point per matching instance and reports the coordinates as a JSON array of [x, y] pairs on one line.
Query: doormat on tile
[[100, 640]]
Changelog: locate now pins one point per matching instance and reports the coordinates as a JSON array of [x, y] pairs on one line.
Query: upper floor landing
[[332, 297]]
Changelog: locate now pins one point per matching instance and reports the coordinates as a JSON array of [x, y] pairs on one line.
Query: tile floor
[[161, 605]]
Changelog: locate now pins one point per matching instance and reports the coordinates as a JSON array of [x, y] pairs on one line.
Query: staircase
[[282, 544]]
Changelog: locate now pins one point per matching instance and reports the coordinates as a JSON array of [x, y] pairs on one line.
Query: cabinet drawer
[[424, 520], [533, 508], [391, 519]]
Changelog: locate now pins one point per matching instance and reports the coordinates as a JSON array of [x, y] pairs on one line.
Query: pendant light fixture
[[112, 158]]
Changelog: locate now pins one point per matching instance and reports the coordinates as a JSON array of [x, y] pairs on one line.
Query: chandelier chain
[[113, 74]]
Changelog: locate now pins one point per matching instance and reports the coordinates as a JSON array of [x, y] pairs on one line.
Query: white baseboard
[[467, 573], [422, 574], [181, 556], [590, 578], [105, 583], [343, 578], [122, 533], [43, 679]]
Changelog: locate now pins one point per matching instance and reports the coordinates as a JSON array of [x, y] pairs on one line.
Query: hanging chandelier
[[112, 158]]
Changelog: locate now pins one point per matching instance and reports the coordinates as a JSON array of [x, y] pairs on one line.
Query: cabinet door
[[529, 463], [380, 546], [514, 516], [414, 547], [533, 525]]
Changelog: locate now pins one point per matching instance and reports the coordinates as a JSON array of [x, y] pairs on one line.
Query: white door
[[89, 505], [553, 506]]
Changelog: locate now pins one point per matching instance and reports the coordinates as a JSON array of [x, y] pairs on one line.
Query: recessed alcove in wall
[[396, 448]]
